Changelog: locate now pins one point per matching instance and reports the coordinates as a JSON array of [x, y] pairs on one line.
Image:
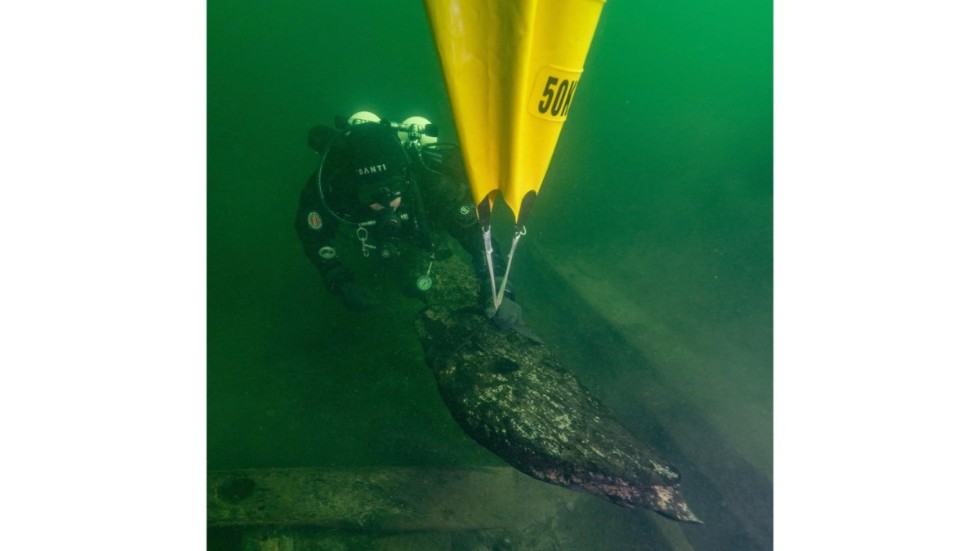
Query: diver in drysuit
[[393, 194]]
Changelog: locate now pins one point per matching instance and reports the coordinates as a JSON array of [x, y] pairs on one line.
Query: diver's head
[[379, 171]]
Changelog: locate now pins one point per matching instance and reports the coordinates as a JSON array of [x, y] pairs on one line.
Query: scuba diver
[[391, 193]]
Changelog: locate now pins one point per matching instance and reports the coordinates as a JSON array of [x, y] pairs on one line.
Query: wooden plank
[[385, 499]]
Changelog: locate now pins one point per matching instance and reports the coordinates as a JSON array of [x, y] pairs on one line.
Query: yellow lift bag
[[511, 68]]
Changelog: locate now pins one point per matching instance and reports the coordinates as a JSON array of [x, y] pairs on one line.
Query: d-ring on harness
[[362, 236]]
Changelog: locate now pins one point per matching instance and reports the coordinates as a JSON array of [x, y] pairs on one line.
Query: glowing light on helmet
[[420, 123], [362, 117]]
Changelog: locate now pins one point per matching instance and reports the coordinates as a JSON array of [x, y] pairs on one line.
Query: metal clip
[[362, 236]]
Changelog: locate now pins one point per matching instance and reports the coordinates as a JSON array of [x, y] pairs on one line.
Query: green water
[[648, 261]]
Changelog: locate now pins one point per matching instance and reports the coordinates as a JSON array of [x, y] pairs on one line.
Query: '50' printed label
[[552, 93]]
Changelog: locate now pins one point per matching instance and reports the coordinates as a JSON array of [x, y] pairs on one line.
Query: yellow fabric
[[511, 67]]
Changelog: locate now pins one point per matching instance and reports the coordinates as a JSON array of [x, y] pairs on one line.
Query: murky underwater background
[[647, 266]]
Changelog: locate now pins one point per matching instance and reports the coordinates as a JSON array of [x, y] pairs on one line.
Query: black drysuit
[[434, 200]]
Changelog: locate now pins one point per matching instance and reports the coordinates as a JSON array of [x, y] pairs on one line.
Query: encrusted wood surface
[[512, 396]]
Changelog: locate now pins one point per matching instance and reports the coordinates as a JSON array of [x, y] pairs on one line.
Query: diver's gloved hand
[[508, 316], [509, 313], [355, 298]]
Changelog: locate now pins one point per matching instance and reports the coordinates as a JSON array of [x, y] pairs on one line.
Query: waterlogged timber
[[510, 394]]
